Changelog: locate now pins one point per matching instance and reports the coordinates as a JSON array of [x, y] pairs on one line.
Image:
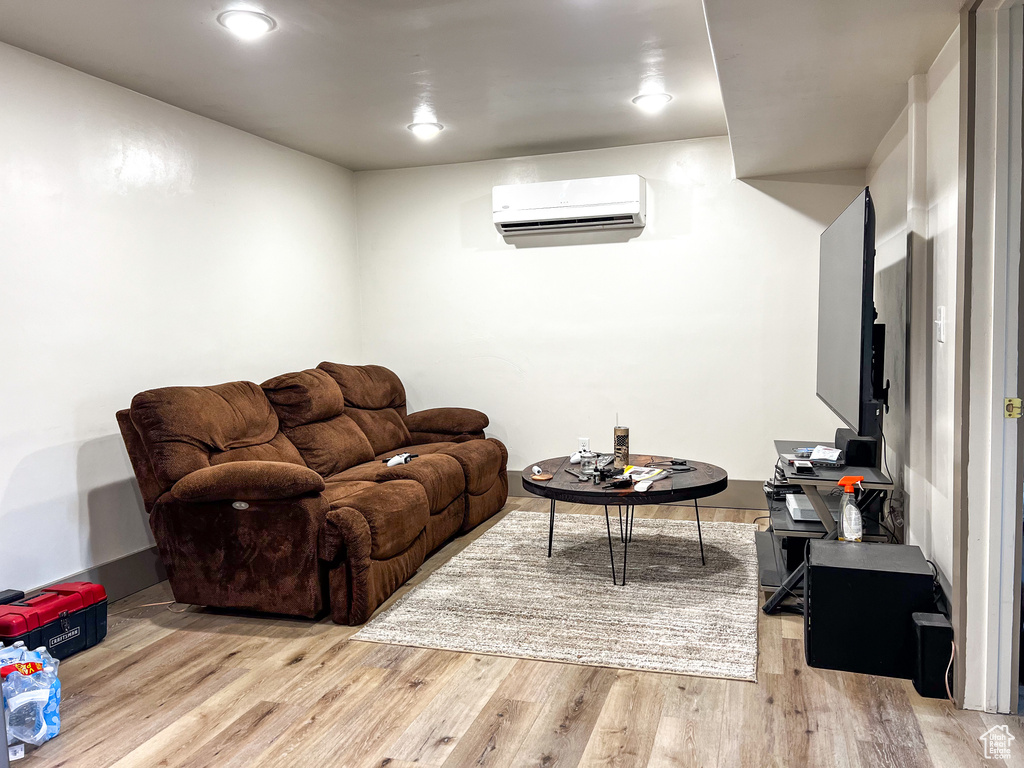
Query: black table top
[[704, 480], [873, 478]]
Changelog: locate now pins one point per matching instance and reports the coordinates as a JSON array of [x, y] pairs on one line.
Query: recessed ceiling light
[[652, 102], [426, 131], [246, 25]]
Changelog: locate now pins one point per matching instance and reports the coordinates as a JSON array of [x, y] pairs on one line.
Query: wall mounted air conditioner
[[576, 205]]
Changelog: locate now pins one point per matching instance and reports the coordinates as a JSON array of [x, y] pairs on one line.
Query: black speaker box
[[857, 451], [859, 599], [934, 640]]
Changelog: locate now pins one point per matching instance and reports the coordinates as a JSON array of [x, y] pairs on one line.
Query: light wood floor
[[204, 689]]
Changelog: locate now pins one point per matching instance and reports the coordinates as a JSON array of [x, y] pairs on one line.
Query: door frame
[[988, 519]]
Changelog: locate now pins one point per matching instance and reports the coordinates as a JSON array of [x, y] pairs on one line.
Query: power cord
[[949, 693], [885, 458]]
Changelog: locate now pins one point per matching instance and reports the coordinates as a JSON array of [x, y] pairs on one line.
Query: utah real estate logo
[[997, 742]]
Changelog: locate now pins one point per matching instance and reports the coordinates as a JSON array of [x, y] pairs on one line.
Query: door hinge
[[1012, 407]]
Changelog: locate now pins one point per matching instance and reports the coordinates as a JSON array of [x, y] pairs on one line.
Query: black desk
[[774, 571], [874, 479]]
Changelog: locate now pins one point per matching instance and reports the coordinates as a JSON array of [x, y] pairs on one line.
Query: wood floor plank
[[806, 729], [496, 735], [563, 727], [792, 627], [290, 672], [676, 745], [953, 737], [879, 712], [376, 723], [246, 737], [434, 734], [317, 738], [133, 720], [531, 680], [628, 722], [690, 729], [829, 741], [747, 734], [769, 645]]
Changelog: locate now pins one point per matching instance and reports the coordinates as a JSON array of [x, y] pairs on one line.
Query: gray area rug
[[502, 595]]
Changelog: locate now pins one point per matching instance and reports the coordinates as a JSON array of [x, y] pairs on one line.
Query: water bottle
[[31, 692], [851, 523]]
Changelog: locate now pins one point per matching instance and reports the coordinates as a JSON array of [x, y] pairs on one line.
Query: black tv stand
[[780, 572]]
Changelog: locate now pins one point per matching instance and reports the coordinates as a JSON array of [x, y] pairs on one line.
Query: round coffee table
[[701, 481]]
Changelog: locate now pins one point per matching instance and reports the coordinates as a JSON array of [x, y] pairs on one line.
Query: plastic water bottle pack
[[31, 694]]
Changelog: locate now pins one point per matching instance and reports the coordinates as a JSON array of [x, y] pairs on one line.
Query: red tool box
[[66, 618]]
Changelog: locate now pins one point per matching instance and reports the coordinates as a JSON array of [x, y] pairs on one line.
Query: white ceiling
[[341, 79], [813, 85]]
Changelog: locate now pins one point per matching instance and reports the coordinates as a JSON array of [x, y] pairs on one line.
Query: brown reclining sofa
[[274, 498]]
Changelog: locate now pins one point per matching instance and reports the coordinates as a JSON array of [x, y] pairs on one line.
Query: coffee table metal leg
[[625, 549], [611, 552], [632, 517], [700, 536], [551, 527]]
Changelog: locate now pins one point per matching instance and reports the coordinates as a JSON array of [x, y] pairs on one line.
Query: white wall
[[931, 452], [140, 246], [700, 333]]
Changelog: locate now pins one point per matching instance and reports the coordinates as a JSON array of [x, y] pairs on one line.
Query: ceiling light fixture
[[425, 131], [652, 102], [246, 25]]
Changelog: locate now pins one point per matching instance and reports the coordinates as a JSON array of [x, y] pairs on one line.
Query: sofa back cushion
[[311, 409], [375, 400], [188, 428]]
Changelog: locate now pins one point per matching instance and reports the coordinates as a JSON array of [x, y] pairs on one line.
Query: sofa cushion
[[337, 491], [481, 506], [441, 477], [304, 396], [447, 421], [375, 399], [331, 446], [481, 460], [370, 387], [396, 512], [311, 409], [384, 429], [183, 427], [248, 480], [279, 448]]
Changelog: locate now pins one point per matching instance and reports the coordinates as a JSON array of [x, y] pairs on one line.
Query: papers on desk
[[823, 453], [820, 453]]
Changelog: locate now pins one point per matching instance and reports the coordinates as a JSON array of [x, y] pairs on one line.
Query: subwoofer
[[859, 600]]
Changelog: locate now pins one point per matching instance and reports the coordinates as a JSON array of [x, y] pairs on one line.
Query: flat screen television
[[850, 344]]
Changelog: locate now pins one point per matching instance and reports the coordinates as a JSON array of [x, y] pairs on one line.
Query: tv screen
[[846, 311]]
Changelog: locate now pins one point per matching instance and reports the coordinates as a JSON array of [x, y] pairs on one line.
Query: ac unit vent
[[588, 222], [575, 205]]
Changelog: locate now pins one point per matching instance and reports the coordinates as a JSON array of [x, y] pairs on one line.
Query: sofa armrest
[[248, 480], [345, 535], [447, 421]]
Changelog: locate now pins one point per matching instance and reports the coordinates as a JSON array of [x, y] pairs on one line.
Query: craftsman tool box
[[66, 618]]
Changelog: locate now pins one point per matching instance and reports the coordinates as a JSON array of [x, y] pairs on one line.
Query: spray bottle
[[851, 524]]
